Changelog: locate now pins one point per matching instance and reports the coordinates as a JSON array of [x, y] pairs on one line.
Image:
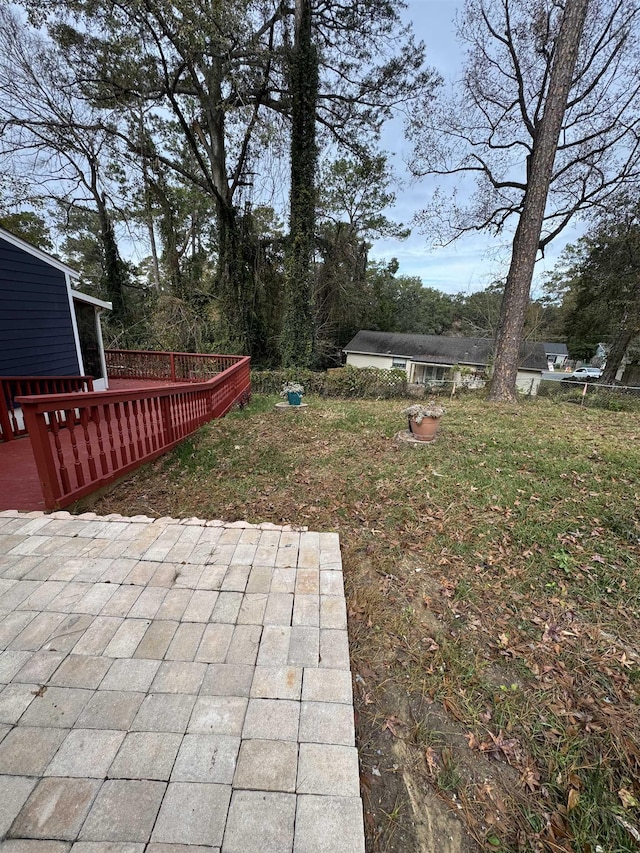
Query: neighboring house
[[429, 358], [46, 327], [557, 355]]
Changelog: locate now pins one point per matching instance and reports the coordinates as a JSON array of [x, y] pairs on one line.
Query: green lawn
[[493, 584]]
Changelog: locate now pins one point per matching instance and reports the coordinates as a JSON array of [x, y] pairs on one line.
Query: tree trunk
[[148, 209], [237, 249], [625, 334], [235, 274], [155, 263], [170, 254], [113, 272], [297, 332], [527, 237]]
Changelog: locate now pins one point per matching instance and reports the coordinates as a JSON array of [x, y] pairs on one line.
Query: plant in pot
[[424, 420], [293, 392]]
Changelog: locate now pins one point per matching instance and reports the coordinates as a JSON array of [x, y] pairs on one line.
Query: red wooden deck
[[73, 454], [19, 481]]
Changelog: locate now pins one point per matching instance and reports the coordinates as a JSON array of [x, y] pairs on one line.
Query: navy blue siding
[[36, 332]]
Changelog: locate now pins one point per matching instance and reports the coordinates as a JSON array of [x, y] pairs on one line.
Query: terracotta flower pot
[[425, 430]]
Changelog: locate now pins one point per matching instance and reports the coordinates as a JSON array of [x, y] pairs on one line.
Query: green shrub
[[271, 381], [366, 382], [361, 382]]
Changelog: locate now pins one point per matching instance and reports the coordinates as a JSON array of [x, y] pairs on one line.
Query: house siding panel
[[359, 360], [36, 331]]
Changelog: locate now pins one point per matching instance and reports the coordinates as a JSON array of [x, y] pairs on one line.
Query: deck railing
[[84, 442], [172, 366], [11, 419]]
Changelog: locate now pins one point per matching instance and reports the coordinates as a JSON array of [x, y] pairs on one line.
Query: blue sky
[[476, 260]]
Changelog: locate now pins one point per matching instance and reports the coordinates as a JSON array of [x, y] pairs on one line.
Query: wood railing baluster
[[117, 411], [136, 406], [129, 436], [95, 416], [77, 464], [62, 468], [91, 462], [112, 445]]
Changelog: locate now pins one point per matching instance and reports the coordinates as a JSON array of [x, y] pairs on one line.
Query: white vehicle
[[585, 374]]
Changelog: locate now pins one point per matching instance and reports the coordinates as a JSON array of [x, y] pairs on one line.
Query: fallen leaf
[[572, 799], [390, 723], [530, 778], [432, 759], [474, 743], [627, 799]]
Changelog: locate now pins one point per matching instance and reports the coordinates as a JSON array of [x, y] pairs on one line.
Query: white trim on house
[[101, 384], [74, 324], [92, 300], [380, 354]]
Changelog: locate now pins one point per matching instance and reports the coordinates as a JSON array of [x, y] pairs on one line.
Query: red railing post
[[38, 433], [172, 362]]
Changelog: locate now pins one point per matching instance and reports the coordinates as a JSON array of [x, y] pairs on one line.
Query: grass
[[493, 584]]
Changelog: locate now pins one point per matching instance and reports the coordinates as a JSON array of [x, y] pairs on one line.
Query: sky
[[476, 260]]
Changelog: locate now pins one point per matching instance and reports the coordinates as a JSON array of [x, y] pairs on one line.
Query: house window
[[435, 374], [399, 364]]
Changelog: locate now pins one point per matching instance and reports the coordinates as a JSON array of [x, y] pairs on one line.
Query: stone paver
[[54, 706], [327, 685], [206, 758], [327, 769], [27, 751], [56, 809], [328, 825], [81, 671], [218, 715], [260, 822], [193, 813], [110, 710], [130, 675], [272, 719], [267, 765], [14, 791], [223, 679], [86, 752], [124, 811], [164, 712], [146, 755], [326, 722], [174, 686]]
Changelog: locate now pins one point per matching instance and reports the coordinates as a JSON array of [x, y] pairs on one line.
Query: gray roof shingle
[[554, 348], [438, 349]]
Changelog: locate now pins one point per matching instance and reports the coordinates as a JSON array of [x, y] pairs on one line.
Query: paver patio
[[167, 683]]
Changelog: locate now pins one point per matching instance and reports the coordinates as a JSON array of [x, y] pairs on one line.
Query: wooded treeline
[[198, 130], [238, 141]]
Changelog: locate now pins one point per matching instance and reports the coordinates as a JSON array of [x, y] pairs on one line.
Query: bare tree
[[546, 120], [63, 144], [529, 229]]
